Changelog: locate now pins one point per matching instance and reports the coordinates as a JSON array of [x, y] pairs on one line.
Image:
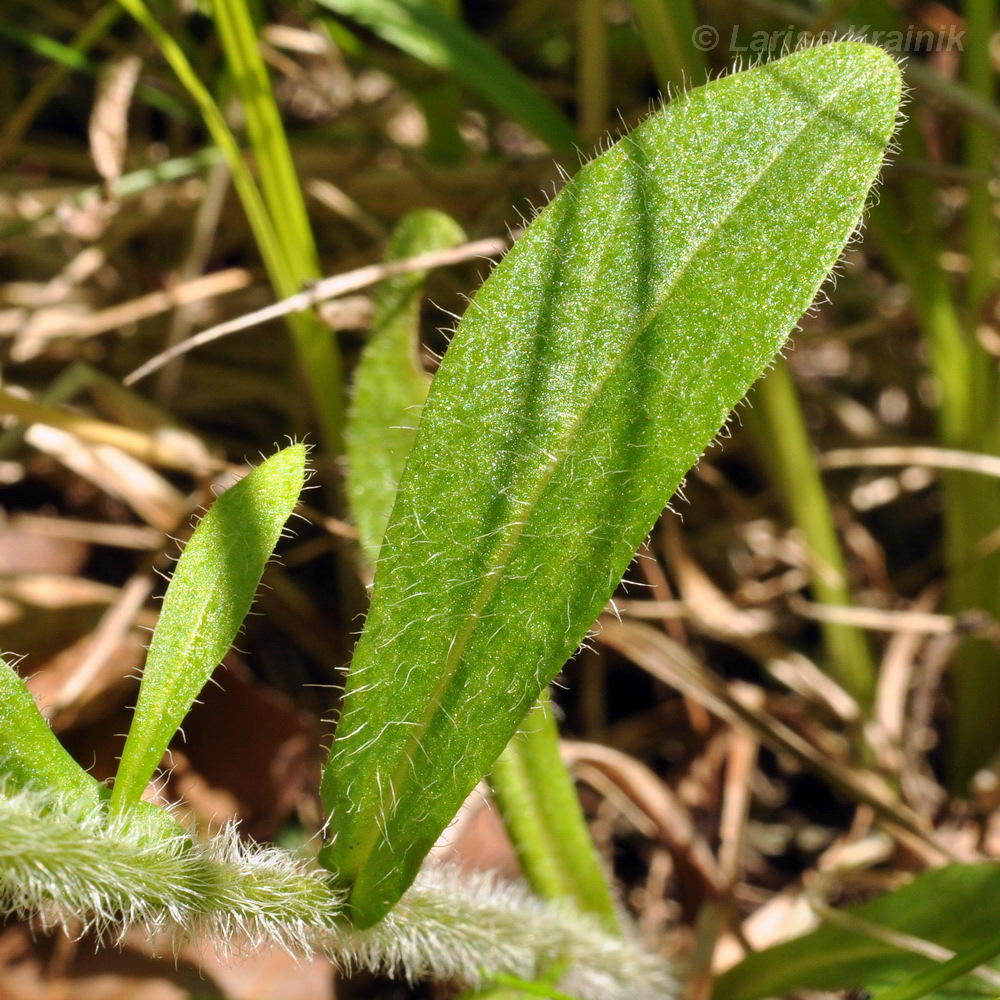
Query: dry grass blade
[[108, 128], [116, 472], [674, 826], [46, 326], [752, 632], [674, 665], [879, 619], [936, 458], [115, 622], [328, 288], [164, 448], [125, 536]]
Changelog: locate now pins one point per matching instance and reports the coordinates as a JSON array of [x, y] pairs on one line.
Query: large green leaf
[[209, 596], [422, 30], [954, 907], [587, 376], [389, 385]]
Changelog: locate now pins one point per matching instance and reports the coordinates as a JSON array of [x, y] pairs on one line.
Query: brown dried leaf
[[476, 839]]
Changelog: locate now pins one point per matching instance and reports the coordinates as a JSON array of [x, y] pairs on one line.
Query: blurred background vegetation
[[169, 165]]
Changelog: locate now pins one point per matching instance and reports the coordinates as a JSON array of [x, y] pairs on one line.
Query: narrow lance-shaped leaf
[[389, 385], [209, 596], [587, 376]]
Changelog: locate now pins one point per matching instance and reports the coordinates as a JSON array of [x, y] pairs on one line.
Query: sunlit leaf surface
[[587, 376]]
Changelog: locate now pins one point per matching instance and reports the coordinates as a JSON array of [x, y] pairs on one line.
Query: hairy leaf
[[204, 606], [587, 376], [30, 754], [389, 385]]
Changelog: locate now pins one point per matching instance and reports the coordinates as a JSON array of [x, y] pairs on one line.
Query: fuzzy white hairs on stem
[[73, 866]]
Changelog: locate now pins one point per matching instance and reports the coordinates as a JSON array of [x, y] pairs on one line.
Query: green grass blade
[[30, 754], [780, 431], [209, 596], [966, 419], [74, 57], [868, 946], [92, 31], [389, 385], [278, 179], [215, 122], [314, 344], [317, 349], [966, 376], [981, 228], [68, 56], [667, 28], [975, 579], [931, 981], [423, 31], [126, 186], [587, 376]]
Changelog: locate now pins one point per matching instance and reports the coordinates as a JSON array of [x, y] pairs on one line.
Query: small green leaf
[[954, 907], [389, 385], [204, 606], [587, 376], [423, 31], [30, 754]]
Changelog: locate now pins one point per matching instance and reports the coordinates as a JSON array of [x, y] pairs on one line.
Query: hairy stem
[[66, 860]]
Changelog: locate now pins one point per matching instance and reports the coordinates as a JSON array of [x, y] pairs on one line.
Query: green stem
[[521, 986], [542, 813], [319, 357], [215, 122], [592, 90], [981, 234], [973, 506], [667, 29], [781, 434], [969, 400]]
